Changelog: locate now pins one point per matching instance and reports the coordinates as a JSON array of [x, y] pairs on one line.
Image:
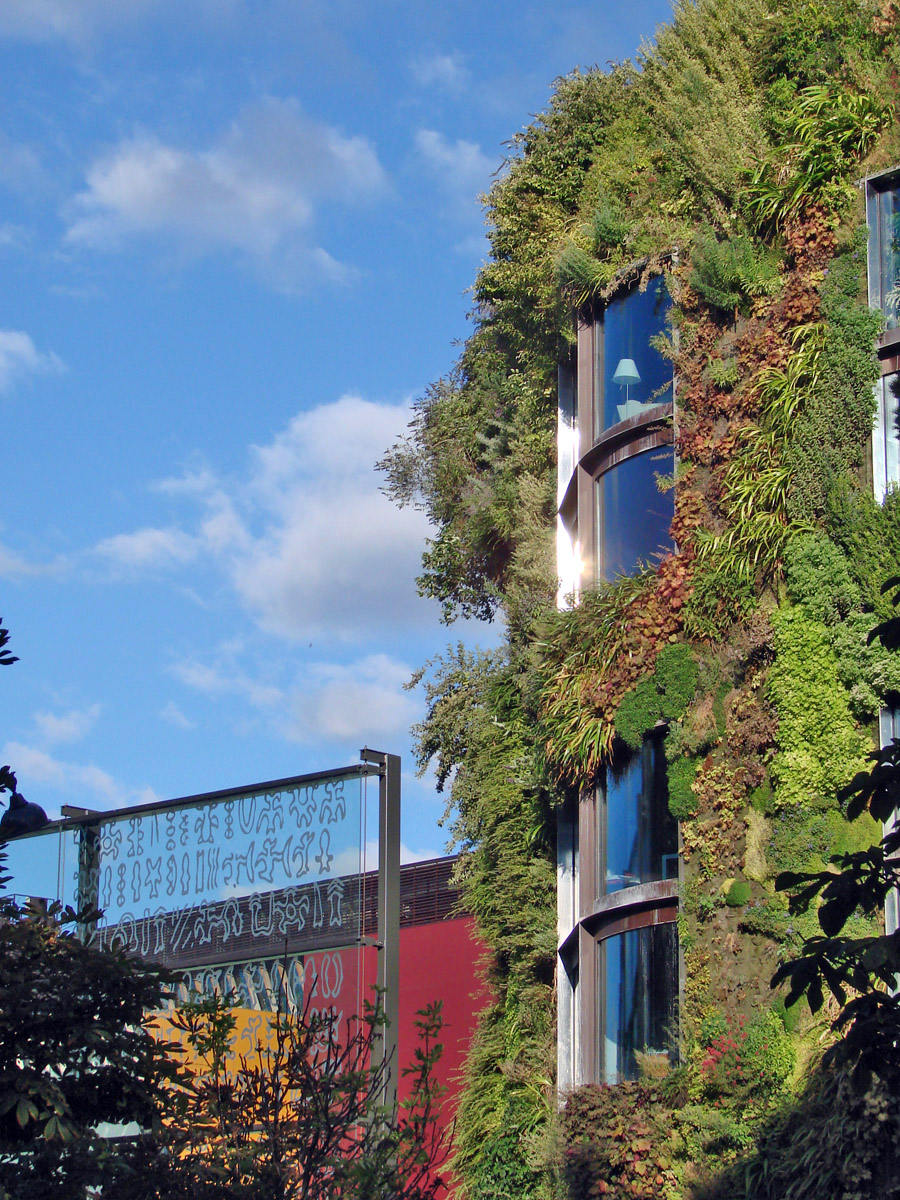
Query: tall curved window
[[630, 375], [633, 516], [638, 834], [886, 435], [883, 217], [619, 900], [638, 998]]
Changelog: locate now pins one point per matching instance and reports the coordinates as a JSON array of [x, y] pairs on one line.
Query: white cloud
[[362, 701], [174, 716], [14, 237], [254, 192], [13, 566], [39, 19], [310, 545], [444, 72], [20, 358], [69, 727], [149, 548], [220, 680], [461, 167], [336, 554], [77, 21], [88, 783]]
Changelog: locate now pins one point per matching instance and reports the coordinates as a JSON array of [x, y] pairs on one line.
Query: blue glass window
[[630, 375], [884, 249], [638, 988], [633, 515], [638, 835]]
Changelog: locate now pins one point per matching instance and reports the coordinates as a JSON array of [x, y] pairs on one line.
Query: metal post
[[388, 912], [88, 896]]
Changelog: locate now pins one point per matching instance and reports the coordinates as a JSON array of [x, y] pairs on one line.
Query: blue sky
[[236, 239]]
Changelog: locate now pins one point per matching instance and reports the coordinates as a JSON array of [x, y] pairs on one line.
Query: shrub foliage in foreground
[[75, 1051], [300, 1117]]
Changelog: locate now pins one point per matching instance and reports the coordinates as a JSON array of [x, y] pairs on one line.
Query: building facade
[[620, 971]]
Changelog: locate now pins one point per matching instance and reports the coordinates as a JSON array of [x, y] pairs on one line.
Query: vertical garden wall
[[727, 160]]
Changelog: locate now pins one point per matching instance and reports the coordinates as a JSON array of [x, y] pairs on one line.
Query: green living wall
[[728, 158]]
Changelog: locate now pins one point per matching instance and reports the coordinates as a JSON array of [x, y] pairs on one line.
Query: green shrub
[[829, 435], [616, 1142], [501, 1170], [738, 894], [728, 274], [789, 1017], [662, 696], [819, 746], [818, 577], [869, 672], [724, 373], [833, 1142], [676, 678], [761, 798], [869, 535], [638, 712], [768, 1049], [682, 801]]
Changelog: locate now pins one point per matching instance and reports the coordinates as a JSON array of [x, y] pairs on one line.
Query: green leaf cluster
[[662, 696], [730, 272], [827, 439], [819, 745]]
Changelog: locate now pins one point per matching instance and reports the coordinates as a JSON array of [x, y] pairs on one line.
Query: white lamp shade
[[626, 372]]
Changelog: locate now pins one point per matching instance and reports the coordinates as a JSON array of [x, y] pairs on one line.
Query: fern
[[580, 275], [730, 273]]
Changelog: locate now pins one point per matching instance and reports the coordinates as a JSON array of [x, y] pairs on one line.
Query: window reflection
[[630, 375], [633, 515], [884, 228], [639, 995], [886, 435], [44, 866], [639, 836]]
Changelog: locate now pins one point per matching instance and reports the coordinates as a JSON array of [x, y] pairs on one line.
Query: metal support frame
[[388, 913], [87, 900]]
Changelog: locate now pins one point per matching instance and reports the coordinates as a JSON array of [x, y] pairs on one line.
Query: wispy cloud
[[149, 548], [442, 72], [305, 538], [20, 359], [13, 237], [91, 784], [20, 165], [71, 726], [255, 192], [173, 715], [356, 858], [222, 679], [459, 169], [362, 700], [365, 699], [78, 21], [13, 566]]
